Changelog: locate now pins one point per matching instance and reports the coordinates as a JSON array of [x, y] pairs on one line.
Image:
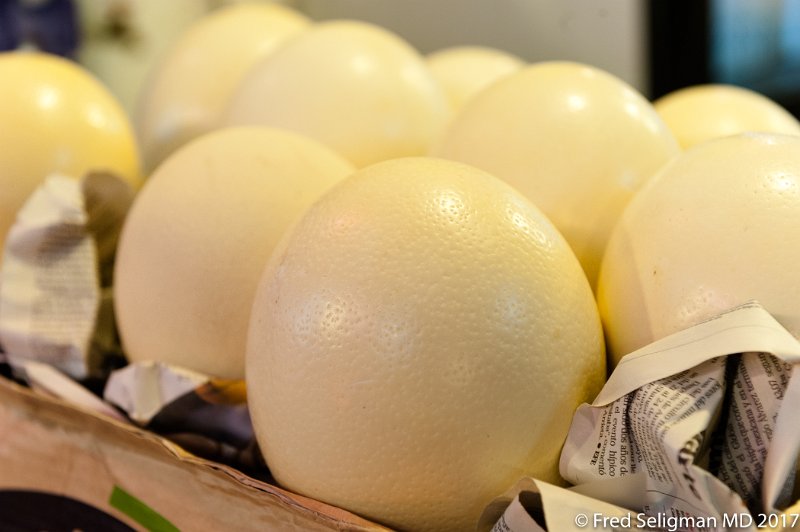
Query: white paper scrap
[[142, 389], [50, 287], [46, 379]]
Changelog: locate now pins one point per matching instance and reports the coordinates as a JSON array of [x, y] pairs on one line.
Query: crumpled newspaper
[[56, 275], [697, 431], [535, 506]]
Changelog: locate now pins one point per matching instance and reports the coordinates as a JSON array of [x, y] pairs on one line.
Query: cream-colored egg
[[464, 71], [419, 342], [198, 236], [56, 117], [188, 92], [718, 227], [576, 141], [704, 112], [351, 85]]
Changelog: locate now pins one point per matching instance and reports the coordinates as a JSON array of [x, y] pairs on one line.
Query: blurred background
[[657, 45]]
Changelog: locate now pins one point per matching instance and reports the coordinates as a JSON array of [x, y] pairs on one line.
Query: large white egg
[[704, 112], [353, 86], [718, 227], [576, 141], [188, 92], [198, 236], [419, 342], [464, 71]]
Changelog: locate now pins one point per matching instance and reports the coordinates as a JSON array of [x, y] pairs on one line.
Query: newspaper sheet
[[535, 506], [697, 431], [55, 302], [707, 419]]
